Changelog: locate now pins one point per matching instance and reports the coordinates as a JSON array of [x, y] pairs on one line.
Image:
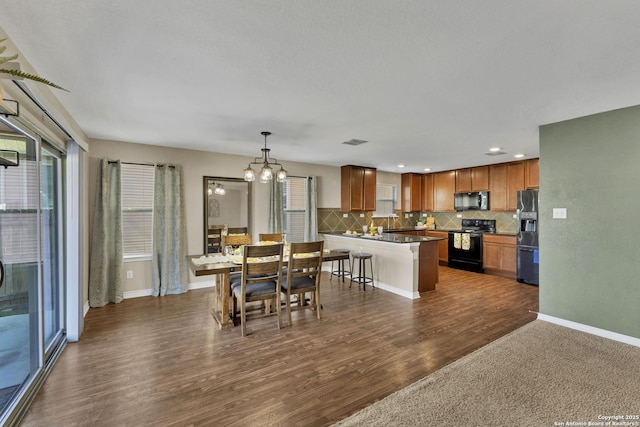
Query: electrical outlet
[[129, 274], [424, 215], [458, 215], [345, 215], [361, 215]]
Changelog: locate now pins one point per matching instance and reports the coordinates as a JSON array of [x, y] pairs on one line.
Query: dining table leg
[[221, 305]]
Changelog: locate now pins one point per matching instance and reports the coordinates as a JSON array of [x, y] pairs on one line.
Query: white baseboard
[[394, 290], [136, 294], [590, 330], [202, 285], [388, 288], [147, 292], [85, 308]]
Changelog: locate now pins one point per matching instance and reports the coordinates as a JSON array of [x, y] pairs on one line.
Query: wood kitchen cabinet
[[498, 187], [532, 173], [443, 245], [515, 183], [499, 255], [472, 179], [427, 192], [411, 192], [358, 188], [505, 180], [444, 186]]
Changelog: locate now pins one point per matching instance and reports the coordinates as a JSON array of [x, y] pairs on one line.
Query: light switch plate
[[129, 274], [560, 213]]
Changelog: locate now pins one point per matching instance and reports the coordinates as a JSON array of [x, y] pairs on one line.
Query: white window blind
[[137, 210], [19, 203], [294, 196], [386, 198]]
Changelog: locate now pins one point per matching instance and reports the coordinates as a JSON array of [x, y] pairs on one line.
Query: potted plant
[[15, 71]]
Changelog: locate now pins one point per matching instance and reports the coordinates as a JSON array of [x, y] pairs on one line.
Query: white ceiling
[[428, 83]]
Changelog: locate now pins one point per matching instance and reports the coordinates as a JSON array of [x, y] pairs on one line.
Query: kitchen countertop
[[390, 237], [446, 230]]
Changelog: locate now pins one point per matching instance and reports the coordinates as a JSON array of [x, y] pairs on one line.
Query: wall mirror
[[227, 203]]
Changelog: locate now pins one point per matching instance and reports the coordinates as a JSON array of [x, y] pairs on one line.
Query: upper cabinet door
[[532, 173], [444, 186], [463, 180], [427, 192], [369, 196], [411, 192], [358, 188], [480, 178], [515, 183], [498, 187]]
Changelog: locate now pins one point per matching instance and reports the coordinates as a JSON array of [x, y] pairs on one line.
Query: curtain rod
[[139, 164]]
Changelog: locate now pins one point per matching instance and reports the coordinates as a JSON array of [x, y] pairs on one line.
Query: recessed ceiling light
[[494, 149], [400, 166], [427, 169], [518, 156]]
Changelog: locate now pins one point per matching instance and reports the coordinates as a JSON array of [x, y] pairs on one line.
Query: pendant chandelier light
[[266, 173], [216, 188]]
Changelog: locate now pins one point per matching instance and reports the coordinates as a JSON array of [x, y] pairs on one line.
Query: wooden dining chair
[[261, 280], [237, 230], [237, 241], [271, 237], [303, 275], [214, 238]]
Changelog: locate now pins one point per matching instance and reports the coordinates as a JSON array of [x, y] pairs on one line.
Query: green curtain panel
[[105, 271], [275, 218], [311, 211], [169, 273]]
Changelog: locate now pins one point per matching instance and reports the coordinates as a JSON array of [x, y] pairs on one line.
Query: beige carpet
[[538, 375]]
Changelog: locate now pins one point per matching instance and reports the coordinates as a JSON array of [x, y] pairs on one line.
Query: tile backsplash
[[335, 220]]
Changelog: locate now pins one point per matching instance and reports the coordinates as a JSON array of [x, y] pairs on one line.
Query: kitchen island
[[403, 264]]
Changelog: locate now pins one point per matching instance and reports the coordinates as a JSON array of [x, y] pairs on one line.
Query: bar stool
[[341, 271], [362, 270]]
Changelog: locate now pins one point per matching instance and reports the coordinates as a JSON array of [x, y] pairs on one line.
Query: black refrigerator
[[527, 238]]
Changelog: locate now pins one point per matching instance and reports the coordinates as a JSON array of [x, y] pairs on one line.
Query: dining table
[[223, 267]]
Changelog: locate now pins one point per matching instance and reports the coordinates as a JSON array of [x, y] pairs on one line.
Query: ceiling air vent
[[354, 141]]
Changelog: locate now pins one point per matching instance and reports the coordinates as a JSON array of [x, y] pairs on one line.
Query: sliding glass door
[[31, 260], [19, 255]]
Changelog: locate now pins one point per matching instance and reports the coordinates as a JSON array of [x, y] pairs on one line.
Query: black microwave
[[471, 201]]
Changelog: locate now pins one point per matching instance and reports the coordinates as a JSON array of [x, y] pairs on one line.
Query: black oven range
[[465, 245]]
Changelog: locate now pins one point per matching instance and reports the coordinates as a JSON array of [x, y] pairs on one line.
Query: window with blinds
[[137, 210], [294, 196], [386, 199]]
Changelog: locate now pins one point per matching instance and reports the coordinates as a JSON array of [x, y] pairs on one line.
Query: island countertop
[[389, 237]]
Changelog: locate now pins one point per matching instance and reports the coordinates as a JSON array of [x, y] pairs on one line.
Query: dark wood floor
[[162, 361]]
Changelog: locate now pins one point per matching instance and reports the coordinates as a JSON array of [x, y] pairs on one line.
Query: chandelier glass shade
[[216, 188], [266, 163]]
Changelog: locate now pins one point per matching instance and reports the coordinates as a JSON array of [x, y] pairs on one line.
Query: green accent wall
[[590, 262]]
